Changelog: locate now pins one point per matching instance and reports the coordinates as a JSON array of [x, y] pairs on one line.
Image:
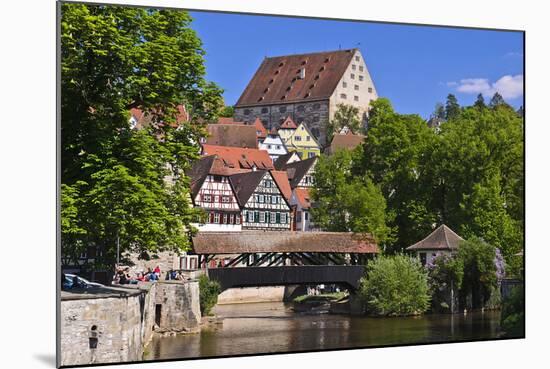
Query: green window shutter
[[256, 216], [278, 218]]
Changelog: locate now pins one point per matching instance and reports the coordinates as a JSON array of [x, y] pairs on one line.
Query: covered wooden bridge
[[263, 258]]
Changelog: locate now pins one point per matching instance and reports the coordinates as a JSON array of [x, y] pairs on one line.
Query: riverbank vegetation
[[334, 296], [208, 294], [467, 173], [395, 285]]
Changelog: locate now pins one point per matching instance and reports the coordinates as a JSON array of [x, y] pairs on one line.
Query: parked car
[[74, 281]]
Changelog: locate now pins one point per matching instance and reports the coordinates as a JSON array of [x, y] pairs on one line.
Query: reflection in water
[[273, 327]]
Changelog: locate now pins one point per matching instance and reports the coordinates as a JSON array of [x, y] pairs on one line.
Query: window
[[299, 216], [357, 58], [311, 155], [361, 78], [232, 219], [261, 198], [356, 98], [370, 90], [262, 217], [273, 199], [356, 87], [283, 218], [246, 111], [278, 147], [225, 199], [272, 217], [217, 218], [264, 110], [308, 138], [250, 216], [267, 199], [298, 138], [361, 68], [343, 96], [352, 76], [353, 66], [306, 215], [206, 198], [316, 106], [225, 219], [237, 219], [315, 118], [282, 109], [344, 84], [269, 147], [216, 199], [217, 178], [300, 108], [423, 258]]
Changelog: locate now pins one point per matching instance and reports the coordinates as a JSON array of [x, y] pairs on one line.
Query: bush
[[395, 286], [445, 274], [208, 294], [513, 314]]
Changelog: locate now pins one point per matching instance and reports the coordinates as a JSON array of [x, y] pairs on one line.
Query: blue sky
[[415, 67]]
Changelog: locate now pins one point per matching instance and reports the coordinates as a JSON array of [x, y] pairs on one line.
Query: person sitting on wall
[[168, 275], [157, 271], [174, 275]]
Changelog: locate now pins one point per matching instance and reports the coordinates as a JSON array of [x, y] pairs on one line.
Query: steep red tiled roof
[[145, 118], [261, 131], [238, 135], [277, 80], [302, 197], [288, 124], [209, 165], [243, 158], [262, 242], [346, 141], [443, 238], [282, 181], [226, 120]]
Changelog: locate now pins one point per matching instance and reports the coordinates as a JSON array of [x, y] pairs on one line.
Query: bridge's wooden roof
[[271, 241]]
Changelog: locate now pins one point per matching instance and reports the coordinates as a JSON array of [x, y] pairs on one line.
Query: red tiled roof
[[277, 80], [243, 158], [302, 197], [443, 238], [145, 118], [282, 181], [238, 135], [345, 141], [288, 124], [209, 165], [261, 131], [284, 241], [228, 120]]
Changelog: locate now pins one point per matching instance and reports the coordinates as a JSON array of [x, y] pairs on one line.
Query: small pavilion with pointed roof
[[442, 240]]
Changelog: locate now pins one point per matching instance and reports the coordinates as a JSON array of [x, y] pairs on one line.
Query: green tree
[[452, 108], [395, 285], [208, 294], [227, 111], [497, 100], [439, 111], [344, 116], [445, 274], [394, 157], [480, 277], [480, 102], [118, 182], [345, 202], [477, 167]]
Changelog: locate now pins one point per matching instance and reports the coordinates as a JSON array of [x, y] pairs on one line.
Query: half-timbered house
[[263, 203], [212, 191]]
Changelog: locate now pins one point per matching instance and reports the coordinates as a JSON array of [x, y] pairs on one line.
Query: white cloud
[[510, 87]]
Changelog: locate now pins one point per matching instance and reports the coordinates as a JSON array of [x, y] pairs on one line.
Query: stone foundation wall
[[112, 325]]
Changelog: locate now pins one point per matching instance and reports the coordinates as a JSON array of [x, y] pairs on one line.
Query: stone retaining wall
[[114, 324]]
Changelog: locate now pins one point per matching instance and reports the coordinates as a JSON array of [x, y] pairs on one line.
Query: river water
[[274, 327]]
